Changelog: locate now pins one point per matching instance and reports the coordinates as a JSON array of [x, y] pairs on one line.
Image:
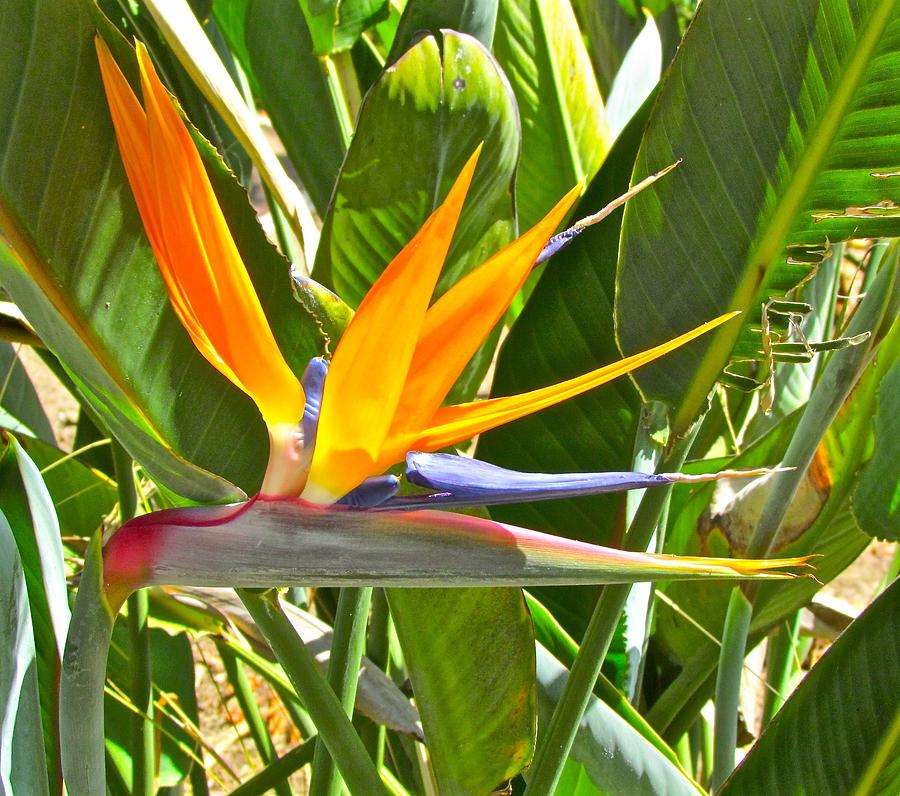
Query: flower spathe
[[398, 357]]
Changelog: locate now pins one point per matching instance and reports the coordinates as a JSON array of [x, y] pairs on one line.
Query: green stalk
[[378, 651], [684, 752], [247, 701], [706, 749], [728, 685], [328, 713], [143, 749], [557, 739], [143, 734], [278, 771], [837, 380], [347, 646], [780, 655], [343, 86]]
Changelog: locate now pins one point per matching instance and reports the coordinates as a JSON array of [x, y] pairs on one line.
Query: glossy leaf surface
[[446, 98], [768, 143], [565, 135], [838, 732], [470, 654]]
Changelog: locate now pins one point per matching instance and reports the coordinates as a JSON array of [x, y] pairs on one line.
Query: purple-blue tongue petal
[[371, 492], [459, 481], [313, 385]]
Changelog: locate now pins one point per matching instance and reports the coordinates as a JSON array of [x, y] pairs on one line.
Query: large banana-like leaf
[[78, 264], [478, 708], [782, 153], [417, 127], [565, 135], [840, 730]]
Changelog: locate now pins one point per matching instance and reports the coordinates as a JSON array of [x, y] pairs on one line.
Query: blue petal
[[460, 481], [371, 492], [313, 382], [558, 242]]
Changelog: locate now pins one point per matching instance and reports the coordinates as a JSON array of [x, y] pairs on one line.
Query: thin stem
[[554, 746], [334, 727], [378, 651], [143, 752], [143, 736], [246, 699], [347, 645], [780, 655], [276, 772], [728, 684]]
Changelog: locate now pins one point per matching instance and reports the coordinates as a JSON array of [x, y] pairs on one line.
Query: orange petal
[[454, 423], [459, 321], [371, 362], [207, 282]]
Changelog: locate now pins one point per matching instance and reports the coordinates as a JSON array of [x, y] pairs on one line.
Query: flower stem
[[347, 645], [143, 733], [143, 752], [335, 729], [728, 684], [557, 740]]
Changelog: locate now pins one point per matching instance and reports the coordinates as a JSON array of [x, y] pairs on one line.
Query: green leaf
[[477, 18], [335, 25], [470, 655], [79, 266], [48, 545], [272, 43], [567, 329], [876, 501], [22, 763], [565, 135], [18, 396], [636, 78], [767, 143], [448, 100], [612, 754], [609, 32], [83, 679], [81, 497], [840, 730]]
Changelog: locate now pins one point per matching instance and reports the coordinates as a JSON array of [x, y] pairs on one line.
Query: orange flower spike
[[370, 365], [207, 282], [452, 424], [460, 320]]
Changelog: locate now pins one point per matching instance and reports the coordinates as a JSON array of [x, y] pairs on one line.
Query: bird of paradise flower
[[379, 400]]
